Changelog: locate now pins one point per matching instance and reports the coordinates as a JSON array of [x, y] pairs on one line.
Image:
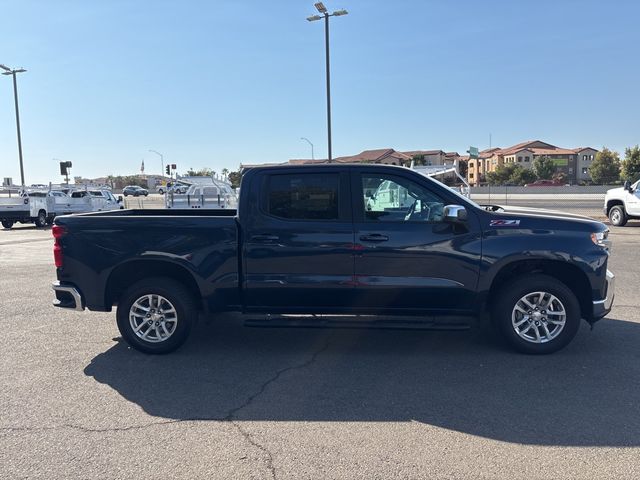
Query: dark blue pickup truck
[[345, 240]]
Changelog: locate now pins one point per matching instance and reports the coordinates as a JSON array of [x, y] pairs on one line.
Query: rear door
[[407, 256], [298, 241]]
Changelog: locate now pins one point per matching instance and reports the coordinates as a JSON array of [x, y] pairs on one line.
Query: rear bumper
[[603, 307], [67, 296]]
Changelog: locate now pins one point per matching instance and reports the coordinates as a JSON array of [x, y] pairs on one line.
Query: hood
[[544, 216], [615, 191]]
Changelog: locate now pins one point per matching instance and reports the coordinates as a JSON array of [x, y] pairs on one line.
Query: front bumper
[[603, 307], [67, 296]]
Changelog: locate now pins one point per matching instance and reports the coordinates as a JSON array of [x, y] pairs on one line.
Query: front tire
[[536, 314], [155, 315], [7, 224], [617, 216]]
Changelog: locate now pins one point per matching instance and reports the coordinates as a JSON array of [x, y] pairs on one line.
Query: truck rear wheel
[[7, 224], [41, 219], [155, 315], [617, 216], [536, 314]]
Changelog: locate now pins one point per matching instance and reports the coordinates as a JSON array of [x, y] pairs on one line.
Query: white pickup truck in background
[[41, 206], [623, 203]]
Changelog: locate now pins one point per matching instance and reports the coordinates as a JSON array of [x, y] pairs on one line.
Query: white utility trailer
[[214, 195]]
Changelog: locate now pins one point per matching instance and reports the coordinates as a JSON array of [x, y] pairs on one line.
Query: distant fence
[[584, 200]]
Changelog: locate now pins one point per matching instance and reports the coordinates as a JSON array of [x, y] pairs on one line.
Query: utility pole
[[9, 71]]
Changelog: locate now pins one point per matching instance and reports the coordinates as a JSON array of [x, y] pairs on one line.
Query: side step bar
[[327, 321]]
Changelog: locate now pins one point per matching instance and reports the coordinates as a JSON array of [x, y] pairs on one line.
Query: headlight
[[600, 238]]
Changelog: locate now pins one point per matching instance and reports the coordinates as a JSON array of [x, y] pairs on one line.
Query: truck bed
[[119, 244]]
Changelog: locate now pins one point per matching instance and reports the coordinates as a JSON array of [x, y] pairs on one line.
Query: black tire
[[7, 224], [41, 219], [179, 297], [161, 192], [617, 216], [507, 298], [50, 220]]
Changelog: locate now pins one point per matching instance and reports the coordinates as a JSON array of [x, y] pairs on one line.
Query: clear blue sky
[[216, 83]]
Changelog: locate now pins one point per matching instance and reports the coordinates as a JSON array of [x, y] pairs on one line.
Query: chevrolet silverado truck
[[622, 204], [312, 240]]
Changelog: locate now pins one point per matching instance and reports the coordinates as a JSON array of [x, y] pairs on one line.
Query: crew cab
[[622, 204], [310, 240]]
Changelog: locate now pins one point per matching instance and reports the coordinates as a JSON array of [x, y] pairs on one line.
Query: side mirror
[[627, 185], [454, 213], [120, 198]]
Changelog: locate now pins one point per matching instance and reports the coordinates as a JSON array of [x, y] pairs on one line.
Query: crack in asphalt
[[249, 401], [230, 416]]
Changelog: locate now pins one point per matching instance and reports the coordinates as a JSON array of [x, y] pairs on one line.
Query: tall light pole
[[309, 142], [161, 160], [10, 71], [324, 13]]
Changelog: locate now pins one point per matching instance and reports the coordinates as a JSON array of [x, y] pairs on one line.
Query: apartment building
[[573, 162]]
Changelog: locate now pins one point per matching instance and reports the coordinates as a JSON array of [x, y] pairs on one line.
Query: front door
[[632, 200], [407, 257], [298, 241]]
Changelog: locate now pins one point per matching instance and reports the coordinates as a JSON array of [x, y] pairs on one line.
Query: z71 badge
[[504, 223]]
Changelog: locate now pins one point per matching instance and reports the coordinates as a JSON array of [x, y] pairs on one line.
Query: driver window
[[395, 199]]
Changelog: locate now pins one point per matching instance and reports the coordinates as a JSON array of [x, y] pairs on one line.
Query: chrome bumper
[[67, 297], [603, 307]]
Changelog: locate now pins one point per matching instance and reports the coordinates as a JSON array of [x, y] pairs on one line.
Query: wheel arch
[[126, 274], [613, 202], [571, 275]]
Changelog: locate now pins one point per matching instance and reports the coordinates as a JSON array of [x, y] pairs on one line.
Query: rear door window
[[304, 196]]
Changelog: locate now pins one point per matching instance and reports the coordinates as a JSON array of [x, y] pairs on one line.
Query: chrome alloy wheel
[[153, 318], [538, 317]]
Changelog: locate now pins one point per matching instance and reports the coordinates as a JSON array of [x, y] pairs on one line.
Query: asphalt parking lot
[[240, 402]]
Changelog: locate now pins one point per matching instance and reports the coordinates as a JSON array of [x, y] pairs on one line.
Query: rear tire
[[535, 325], [617, 216], [41, 219], [166, 324], [7, 224]]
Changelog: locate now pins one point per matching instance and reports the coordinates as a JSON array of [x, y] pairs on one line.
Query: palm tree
[[225, 174]]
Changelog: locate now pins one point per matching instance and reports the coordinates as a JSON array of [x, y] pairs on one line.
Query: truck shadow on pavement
[[586, 395]]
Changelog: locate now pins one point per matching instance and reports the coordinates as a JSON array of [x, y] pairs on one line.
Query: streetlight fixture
[[161, 160], [324, 13], [309, 142], [13, 71]]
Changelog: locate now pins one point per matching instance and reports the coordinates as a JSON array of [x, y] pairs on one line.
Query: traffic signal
[[168, 169], [173, 166]]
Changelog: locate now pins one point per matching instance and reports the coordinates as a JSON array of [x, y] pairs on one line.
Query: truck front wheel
[[536, 314], [7, 224], [155, 315], [617, 216]]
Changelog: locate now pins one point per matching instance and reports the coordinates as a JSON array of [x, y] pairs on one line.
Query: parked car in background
[[547, 183], [134, 190], [171, 187], [623, 203]]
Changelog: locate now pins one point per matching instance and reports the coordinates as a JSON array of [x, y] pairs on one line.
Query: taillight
[[58, 232]]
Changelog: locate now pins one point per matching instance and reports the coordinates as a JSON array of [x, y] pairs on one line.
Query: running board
[[353, 322]]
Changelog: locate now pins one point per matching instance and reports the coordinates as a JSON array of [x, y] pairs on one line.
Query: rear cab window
[[306, 196]]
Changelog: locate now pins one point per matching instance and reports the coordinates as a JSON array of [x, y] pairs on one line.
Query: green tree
[[606, 167], [510, 174], [203, 172], [225, 173], [544, 167], [631, 164], [418, 160], [234, 178]]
